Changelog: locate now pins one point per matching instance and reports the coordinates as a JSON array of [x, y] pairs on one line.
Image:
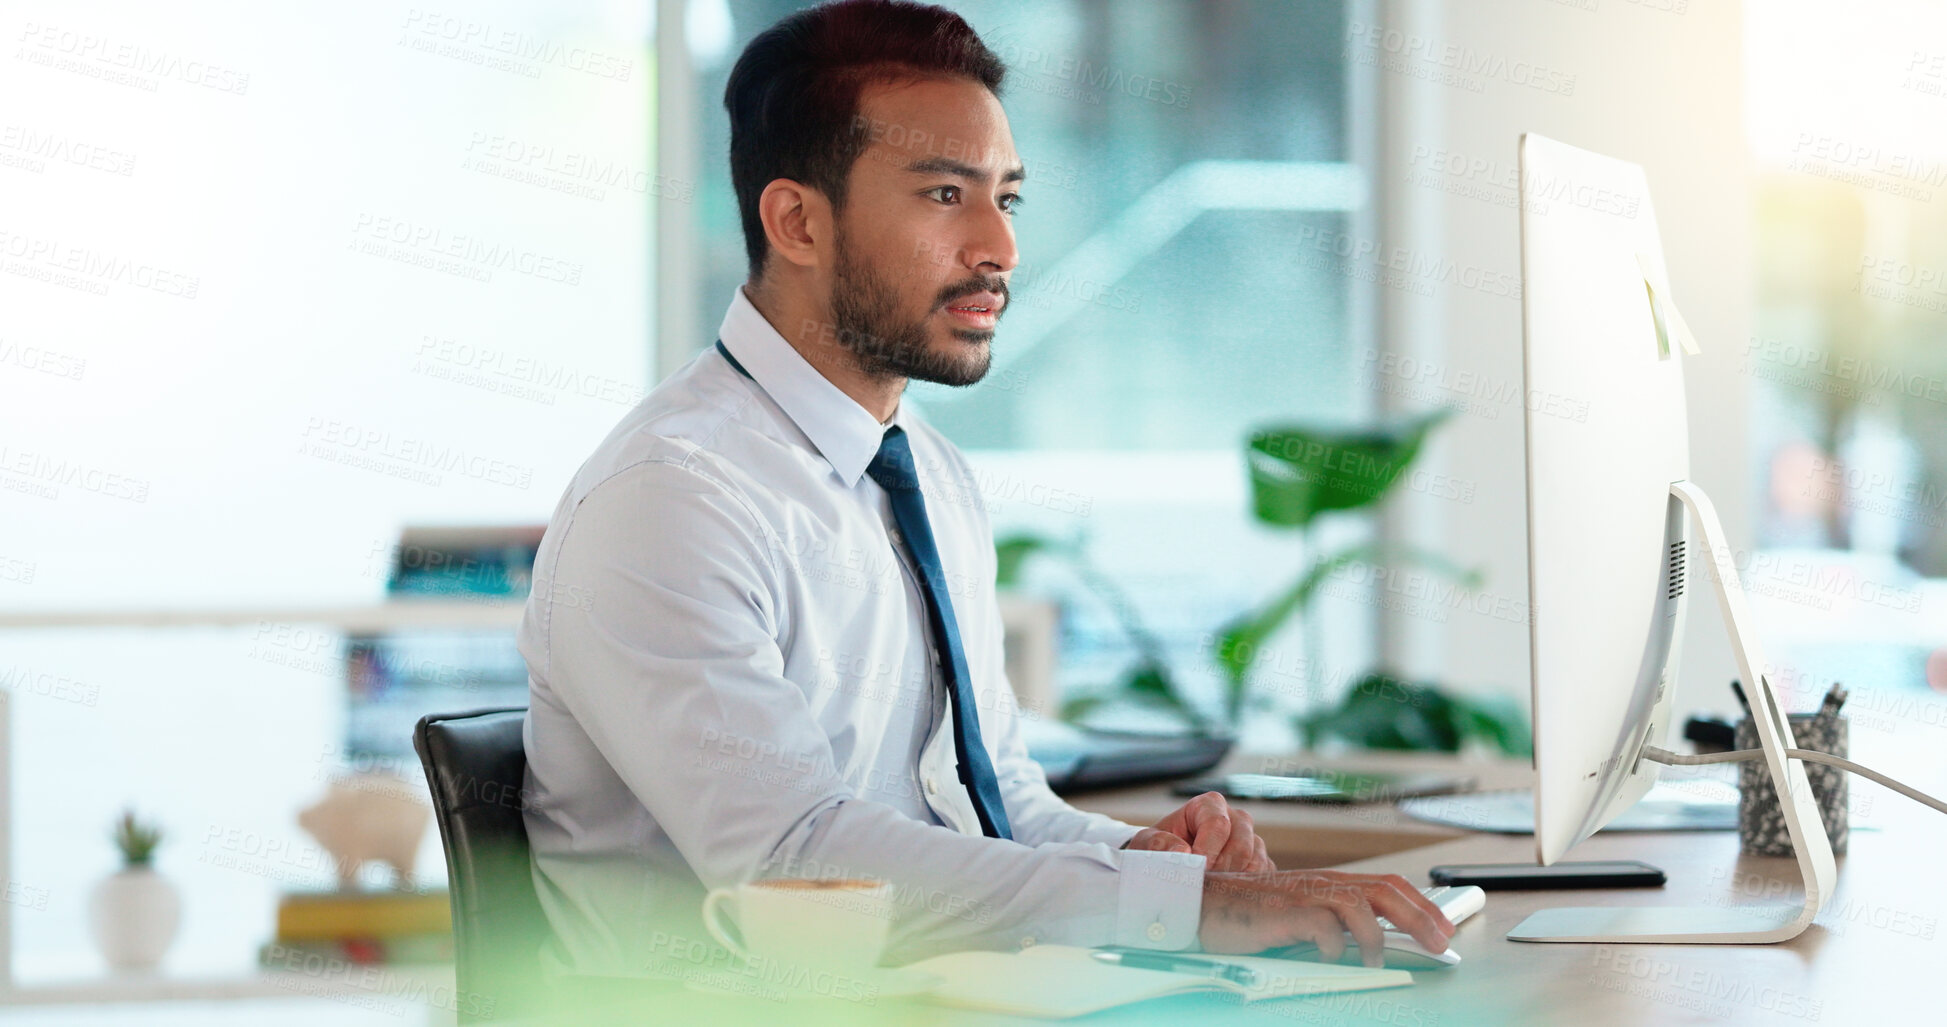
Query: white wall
[[1461, 81]]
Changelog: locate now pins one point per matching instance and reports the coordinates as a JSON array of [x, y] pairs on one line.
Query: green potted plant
[[1300, 474], [135, 911], [1381, 711]]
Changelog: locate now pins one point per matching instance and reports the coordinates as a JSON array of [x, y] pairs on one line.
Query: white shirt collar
[[846, 434]]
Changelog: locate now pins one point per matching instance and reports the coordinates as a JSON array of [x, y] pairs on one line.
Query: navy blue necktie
[[893, 469]]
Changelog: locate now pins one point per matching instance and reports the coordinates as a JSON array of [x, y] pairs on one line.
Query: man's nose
[[990, 248]]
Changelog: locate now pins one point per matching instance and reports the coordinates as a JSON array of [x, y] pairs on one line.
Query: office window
[[1848, 371], [279, 283], [1190, 173]]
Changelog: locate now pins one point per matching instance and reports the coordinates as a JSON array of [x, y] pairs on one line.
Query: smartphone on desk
[[1615, 873]]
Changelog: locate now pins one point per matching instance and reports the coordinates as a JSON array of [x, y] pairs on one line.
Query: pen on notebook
[[1243, 975]]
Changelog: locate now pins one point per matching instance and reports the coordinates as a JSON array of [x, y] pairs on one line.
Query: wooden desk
[[1877, 955], [1302, 835]]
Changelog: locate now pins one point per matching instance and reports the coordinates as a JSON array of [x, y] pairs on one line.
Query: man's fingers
[[1154, 840], [1209, 818], [1175, 823], [1322, 928], [1240, 852], [1394, 901], [1414, 895], [1363, 925]]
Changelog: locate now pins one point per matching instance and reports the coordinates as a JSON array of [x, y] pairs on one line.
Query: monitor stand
[[1720, 925]]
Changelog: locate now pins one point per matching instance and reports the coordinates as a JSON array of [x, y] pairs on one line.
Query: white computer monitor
[[1609, 540]]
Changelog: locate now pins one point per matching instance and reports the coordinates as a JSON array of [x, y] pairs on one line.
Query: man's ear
[[797, 221]]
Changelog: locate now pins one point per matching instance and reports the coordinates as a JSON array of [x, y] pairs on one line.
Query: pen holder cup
[[1760, 821]]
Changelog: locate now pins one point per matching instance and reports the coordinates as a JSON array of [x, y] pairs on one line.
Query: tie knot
[[893, 467]]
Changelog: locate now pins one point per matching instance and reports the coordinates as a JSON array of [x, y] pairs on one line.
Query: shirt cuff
[[1160, 901]]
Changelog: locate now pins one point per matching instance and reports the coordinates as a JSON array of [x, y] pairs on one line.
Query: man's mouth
[[972, 317], [976, 311]]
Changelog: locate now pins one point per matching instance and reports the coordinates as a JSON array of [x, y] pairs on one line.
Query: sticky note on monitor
[[1670, 324]]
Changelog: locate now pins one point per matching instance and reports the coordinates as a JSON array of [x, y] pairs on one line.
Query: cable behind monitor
[[1676, 759]]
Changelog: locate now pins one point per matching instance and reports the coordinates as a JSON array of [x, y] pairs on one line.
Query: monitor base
[[1681, 925], [1721, 925]]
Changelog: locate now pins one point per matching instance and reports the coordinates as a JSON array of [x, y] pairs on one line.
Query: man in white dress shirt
[[735, 672]]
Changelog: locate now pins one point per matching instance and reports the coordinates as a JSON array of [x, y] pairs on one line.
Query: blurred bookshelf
[[441, 639]]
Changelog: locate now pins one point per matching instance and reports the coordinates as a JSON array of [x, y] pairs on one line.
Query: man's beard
[[867, 322]]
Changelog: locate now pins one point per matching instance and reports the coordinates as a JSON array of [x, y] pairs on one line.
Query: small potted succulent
[[135, 911]]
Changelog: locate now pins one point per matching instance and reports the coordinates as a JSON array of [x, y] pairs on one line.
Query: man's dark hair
[[793, 96]]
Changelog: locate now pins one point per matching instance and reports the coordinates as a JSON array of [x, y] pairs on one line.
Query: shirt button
[[932, 785], [1027, 942], [1156, 931]]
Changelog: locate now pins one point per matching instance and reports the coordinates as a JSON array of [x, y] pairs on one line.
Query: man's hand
[[1211, 827], [1252, 912]]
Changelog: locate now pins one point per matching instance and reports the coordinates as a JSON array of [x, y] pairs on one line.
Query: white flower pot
[[135, 914]]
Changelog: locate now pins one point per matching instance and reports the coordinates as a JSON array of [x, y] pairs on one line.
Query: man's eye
[[1012, 202], [943, 189]]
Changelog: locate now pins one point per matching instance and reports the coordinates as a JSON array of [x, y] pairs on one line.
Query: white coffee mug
[[831, 924]]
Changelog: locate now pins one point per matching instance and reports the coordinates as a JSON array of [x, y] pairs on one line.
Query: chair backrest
[[475, 764]]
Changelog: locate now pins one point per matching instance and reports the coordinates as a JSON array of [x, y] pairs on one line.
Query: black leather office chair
[[474, 764]]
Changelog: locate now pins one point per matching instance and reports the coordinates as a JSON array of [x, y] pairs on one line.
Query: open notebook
[[1063, 981]]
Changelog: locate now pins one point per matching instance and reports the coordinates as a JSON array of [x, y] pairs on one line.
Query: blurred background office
[[309, 315]]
